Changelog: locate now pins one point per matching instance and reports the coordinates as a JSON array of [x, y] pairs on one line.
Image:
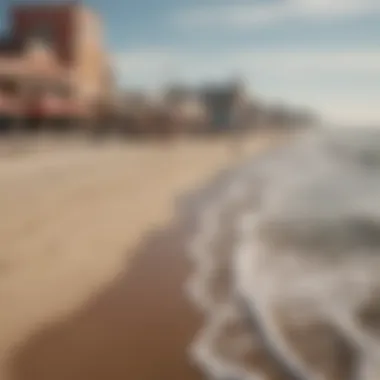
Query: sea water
[[286, 262]]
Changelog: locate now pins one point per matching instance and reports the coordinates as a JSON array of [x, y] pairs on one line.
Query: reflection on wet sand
[[138, 328]]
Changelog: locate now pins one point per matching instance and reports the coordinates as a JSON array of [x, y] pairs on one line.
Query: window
[[8, 86], [42, 34]]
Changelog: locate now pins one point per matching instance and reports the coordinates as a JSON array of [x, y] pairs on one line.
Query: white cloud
[[258, 14]]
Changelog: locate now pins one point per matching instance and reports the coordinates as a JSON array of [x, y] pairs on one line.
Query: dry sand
[[71, 213]]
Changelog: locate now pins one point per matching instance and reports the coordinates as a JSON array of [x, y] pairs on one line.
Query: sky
[[319, 53]]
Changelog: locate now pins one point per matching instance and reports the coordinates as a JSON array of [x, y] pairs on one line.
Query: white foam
[[253, 291], [202, 352], [200, 244]]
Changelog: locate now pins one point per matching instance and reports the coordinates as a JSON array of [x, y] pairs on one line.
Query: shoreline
[[46, 289]]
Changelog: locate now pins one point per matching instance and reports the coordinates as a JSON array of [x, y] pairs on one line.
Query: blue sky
[[320, 53]]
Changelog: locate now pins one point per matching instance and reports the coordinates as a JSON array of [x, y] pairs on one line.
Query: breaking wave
[[287, 262]]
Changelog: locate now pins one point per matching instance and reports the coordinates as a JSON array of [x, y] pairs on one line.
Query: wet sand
[[137, 328]]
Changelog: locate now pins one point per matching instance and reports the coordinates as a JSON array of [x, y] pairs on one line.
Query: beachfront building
[[187, 105], [52, 61], [225, 105]]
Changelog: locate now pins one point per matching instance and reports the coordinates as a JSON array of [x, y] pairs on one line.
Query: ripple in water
[[287, 263]]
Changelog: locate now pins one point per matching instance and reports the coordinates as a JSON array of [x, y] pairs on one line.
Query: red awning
[[48, 106], [53, 106]]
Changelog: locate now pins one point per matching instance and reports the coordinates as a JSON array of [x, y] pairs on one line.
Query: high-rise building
[[73, 33], [56, 45]]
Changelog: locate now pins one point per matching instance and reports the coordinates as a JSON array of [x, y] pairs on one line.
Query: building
[[56, 51], [188, 107], [36, 78], [225, 105]]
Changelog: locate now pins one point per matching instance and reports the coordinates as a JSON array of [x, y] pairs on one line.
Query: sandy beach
[[73, 215]]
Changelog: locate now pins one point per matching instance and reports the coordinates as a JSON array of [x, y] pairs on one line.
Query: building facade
[[188, 107], [225, 105], [74, 33], [64, 38]]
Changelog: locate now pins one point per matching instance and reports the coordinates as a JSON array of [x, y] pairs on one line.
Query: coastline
[[50, 272]]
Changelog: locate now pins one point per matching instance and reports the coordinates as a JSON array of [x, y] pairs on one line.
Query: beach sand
[[73, 215]]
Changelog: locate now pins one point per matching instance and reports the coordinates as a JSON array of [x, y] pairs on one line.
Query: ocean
[[286, 263]]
